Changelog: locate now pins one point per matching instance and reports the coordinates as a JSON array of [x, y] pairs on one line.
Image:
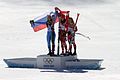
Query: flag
[[39, 23]]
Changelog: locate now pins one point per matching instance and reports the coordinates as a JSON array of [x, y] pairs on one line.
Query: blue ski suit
[[50, 37]]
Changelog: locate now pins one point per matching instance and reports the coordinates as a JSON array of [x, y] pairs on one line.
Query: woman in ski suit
[[72, 28], [63, 34], [50, 35]]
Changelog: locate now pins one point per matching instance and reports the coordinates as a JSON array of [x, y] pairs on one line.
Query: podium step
[[84, 64]]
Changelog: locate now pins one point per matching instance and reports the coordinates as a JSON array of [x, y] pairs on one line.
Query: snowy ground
[[99, 19]]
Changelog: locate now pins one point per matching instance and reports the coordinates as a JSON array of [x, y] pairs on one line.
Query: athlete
[[50, 34], [72, 28], [63, 27], [63, 32]]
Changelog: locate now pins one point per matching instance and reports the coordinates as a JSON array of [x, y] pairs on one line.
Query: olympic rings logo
[[48, 60]]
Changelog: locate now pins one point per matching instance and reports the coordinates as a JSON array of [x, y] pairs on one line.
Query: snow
[[99, 20]]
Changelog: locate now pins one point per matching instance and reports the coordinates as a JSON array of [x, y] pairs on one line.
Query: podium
[[53, 62]]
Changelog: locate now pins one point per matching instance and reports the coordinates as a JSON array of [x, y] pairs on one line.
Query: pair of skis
[[80, 33]]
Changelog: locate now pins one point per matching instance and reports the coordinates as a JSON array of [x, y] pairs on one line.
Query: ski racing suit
[[50, 37], [71, 38], [63, 38]]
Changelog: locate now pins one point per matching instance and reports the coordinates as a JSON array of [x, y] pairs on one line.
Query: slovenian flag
[[39, 23]]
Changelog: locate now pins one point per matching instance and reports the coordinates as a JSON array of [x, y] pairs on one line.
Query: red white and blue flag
[[39, 23]]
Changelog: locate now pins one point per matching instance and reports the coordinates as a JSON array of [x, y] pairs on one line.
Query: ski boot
[[62, 54], [74, 51], [74, 54], [70, 53], [49, 52]]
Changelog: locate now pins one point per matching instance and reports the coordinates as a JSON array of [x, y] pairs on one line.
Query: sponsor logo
[[48, 60]]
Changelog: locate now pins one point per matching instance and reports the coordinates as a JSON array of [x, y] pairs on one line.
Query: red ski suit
[[63, 27]]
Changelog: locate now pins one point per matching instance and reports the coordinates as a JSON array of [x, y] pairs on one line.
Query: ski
[[83, 35]]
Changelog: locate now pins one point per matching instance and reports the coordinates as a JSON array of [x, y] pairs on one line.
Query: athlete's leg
[[48, 41], [53, 42]]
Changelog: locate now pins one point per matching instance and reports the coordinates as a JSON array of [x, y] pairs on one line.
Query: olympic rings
[[48, 60]]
